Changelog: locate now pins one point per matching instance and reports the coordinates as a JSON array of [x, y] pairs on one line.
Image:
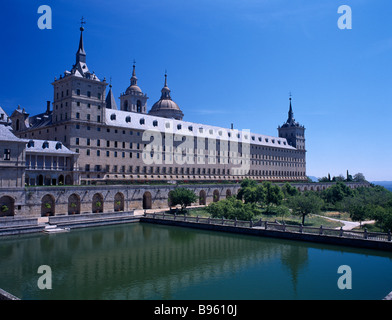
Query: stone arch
[[74, 204], [147, 200], [119, 202], [97, 205], [68, 180], [7, 206], [48, 180], [48, 206], [228, 193], [61, 179], [202, 198], [40, 180], [215, 196]]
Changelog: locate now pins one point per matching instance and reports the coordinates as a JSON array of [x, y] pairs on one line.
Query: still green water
[[142, 261]]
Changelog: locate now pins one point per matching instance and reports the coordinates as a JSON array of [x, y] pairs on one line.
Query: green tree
[[336, 193], [182, 196], [289, 191], [305, 203], [358, 209], [232, 208], [273, 195], [359, 177]]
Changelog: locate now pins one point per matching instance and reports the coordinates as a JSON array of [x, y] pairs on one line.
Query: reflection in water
[[141, 261]]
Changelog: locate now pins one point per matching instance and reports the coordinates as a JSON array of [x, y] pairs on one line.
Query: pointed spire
[[110, 100], [134, 78], [291, 113], [165, 90], [81, 54]]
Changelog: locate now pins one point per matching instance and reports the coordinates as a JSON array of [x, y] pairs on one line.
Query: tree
[[232, 208], [273, 194], [289, 191], [358, 209], [336, 193], [359, 177], [305, 203], [182, 196]]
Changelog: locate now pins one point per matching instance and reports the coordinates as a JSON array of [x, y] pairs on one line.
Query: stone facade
[[42, 201], [132, 144]]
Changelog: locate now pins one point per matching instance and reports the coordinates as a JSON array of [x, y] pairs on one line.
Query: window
[[99, 96], [7, 154], [78, 92], [89, 94], [113, 117], [128, 119], [77, 115], [88, 117], [98, 118], [138, 106], [155, 123], [88, 141], [142, 121], [98, 143]]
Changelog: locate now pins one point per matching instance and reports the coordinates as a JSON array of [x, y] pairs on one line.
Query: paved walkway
[[348, 225]]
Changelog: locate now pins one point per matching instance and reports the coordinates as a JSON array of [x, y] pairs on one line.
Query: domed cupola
[[165, 107], [133, 99]]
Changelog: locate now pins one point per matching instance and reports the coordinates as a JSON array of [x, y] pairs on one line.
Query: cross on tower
[[82, 22]]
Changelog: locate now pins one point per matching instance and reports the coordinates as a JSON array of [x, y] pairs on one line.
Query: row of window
[[78, 93], [192, 171]]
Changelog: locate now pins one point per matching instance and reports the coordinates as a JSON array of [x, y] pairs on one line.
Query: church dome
[[165, 106], [133, 88]]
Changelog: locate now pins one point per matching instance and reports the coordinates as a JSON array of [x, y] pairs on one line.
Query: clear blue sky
[[228, 61]]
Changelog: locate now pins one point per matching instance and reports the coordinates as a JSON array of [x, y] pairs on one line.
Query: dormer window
[[179, 127], [141, 121], [113, 117], [128, 119], [190, 128], [45, 145], [30, 144], [59, 145], [155, 123]]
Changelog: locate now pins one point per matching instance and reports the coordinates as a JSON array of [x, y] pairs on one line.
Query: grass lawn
[[310, 220]]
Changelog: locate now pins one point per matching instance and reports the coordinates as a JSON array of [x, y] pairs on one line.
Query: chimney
[[47, 106]]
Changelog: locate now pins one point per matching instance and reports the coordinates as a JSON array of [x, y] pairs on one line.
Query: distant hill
[[314, 179], [385, 184]]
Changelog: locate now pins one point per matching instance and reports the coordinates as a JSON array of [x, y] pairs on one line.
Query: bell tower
[[293, 131]]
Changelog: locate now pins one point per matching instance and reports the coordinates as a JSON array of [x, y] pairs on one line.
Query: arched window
[[126, 105], [202, 198], [147, 200], [74, 204], [119, 202], [7, 205], [47, 205], [138, 106], [97, 205]]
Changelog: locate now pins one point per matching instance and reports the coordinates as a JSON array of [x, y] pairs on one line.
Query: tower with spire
[[165, 107], [293, 131], [79, 95], [133, 99]]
